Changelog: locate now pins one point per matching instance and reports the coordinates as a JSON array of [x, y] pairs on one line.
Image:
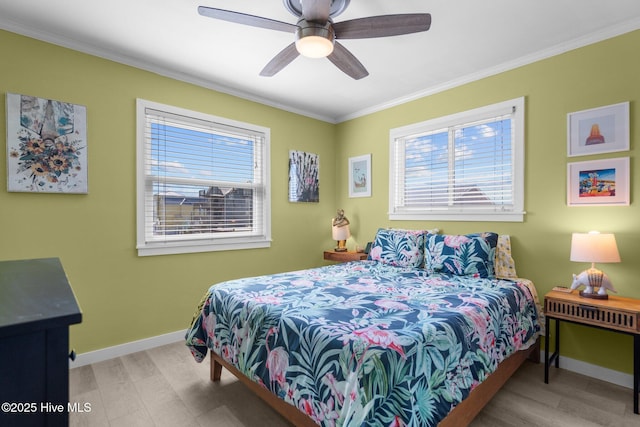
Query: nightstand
[[617, 314], [344, 256]]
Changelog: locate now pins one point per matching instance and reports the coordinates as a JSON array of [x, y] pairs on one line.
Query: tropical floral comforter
[[365, 343]]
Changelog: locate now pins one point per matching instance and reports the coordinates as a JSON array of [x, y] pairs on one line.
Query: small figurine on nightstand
[[592, 281], [340, 231]]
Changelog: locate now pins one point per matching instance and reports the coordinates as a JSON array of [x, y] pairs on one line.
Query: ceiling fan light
[[314, 40], [314, 47]]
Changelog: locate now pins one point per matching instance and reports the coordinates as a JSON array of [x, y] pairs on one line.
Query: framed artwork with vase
[[46, 145], [360, 176]]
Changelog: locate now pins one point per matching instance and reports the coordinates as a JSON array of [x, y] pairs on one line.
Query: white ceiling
[[468, 39]]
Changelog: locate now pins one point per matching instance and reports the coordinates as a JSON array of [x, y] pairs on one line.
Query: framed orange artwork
[[598, 130]]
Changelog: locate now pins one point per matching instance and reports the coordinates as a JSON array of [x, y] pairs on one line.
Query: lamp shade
[[340, 233], [594, 247]]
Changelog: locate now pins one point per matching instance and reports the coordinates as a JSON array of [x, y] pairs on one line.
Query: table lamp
[[593, 247], [340, 231]]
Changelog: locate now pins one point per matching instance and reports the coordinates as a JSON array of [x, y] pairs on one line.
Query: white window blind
[[467, 166], [203, 182]]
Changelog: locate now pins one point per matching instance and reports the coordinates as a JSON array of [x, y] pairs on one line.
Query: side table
[[617, 314], [344, 256]]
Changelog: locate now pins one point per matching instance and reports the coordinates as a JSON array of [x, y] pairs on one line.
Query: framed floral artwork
[[598, 130], [304, 177], [360, 176], [598, 182], [46, 145]]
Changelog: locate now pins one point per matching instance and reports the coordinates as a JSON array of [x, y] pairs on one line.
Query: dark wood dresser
[[37, 305]]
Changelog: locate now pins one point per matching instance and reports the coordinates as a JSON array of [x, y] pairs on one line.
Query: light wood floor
[[166, 387]]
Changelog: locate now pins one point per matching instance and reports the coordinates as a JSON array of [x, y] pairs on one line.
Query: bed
[[424, 332]]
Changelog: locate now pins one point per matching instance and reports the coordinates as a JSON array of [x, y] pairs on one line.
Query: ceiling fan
[[316, 34]]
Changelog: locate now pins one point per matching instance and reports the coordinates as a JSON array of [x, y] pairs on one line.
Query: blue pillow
[[400, 248], [462, 255]]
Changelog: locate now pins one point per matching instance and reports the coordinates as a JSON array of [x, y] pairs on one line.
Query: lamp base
[[593, 295], [341, 246], [596, 284]]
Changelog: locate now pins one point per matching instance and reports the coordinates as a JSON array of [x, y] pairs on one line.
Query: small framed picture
[[598, 183], [360, 176], [598, 130]]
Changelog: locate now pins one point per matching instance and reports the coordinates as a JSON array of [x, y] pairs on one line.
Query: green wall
[[126, 298], [601, 74]]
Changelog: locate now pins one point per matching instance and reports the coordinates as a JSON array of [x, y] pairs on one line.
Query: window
[[203, 182], [464, 167]]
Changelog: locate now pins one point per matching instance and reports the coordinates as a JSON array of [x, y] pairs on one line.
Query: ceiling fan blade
[[316, 10], [280, 61], [243, 18], [345, 61], [382, 26]]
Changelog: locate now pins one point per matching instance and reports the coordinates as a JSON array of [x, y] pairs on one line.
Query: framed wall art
[[46, 145], [598, 130], [598, 182], [304, 177], [360, 176]]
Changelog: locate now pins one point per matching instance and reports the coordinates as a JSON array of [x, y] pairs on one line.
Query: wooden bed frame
[[460, 416]]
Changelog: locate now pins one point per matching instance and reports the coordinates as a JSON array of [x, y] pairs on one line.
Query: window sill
[[451, 216], [173, 249]]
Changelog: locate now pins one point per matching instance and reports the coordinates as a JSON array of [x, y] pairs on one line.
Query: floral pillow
[[462, 255], [400, 248], [505, 266]]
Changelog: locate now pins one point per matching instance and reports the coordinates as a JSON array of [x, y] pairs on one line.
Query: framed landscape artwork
[[598, 183], [46, 145], [598, 130]]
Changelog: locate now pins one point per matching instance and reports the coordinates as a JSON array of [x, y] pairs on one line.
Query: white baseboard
[[594, 371], [127, 348]]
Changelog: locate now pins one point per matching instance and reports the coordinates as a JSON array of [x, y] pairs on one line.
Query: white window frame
[[516, 107], [147, 245]]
